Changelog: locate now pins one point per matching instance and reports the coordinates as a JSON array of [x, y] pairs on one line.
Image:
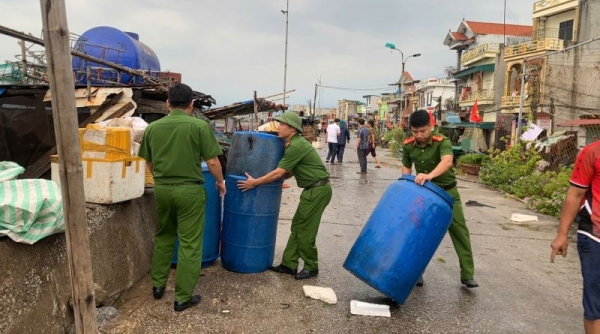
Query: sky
[[229, 48]]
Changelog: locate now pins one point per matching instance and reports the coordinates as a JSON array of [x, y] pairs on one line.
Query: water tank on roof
[[115, 46]]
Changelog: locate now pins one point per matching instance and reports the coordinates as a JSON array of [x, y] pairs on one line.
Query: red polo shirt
[[586, 174]]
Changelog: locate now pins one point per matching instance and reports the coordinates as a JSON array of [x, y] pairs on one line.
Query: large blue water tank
[[400, 237], [249, 226], [116, 46], [212, 225], [254, 153]]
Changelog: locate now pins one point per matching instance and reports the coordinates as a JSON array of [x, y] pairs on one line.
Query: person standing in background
[[342, 140], [333, 133], [361, 146], [372, 142]]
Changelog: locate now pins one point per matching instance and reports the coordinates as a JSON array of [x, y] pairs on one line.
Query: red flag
[[431, 119], [475, 114]]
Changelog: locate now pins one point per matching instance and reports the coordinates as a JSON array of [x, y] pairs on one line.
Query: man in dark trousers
[[362, 145], [332, 136], [583, 201], [432, 155], [303, 162], [342, 140], [173, 148]]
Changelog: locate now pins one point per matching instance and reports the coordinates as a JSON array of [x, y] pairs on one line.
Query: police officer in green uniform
[[303, 162], [173, 148], [432, 155]]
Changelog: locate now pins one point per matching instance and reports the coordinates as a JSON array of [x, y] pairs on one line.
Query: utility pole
[[440, 110], [521, 102], [286, 12], [315, 101], [66, 127]]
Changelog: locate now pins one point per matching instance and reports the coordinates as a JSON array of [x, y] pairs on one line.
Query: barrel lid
[[429, 185]]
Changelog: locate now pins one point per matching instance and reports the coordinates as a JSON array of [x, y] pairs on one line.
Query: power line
[[359, 89]]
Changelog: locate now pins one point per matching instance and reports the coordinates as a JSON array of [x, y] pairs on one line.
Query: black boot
[[195, 300]]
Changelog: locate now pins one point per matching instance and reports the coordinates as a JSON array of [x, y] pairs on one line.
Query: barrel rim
[[431, 186], [255, 133]]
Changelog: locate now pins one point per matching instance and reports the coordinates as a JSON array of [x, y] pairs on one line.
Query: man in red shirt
[[583, 202]]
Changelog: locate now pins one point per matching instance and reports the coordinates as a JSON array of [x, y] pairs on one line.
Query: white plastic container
[[107, 182]]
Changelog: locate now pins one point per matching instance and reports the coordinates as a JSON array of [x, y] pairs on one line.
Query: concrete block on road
[[368, 309], [325, 294]]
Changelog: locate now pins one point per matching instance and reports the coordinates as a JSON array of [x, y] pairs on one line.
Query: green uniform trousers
[[180, 210], [459, 233], [305, 225]]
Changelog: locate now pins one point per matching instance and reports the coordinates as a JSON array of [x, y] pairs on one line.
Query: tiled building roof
[[485, 28], [458, 36]]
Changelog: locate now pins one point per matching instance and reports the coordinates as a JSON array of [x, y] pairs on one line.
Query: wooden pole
[[24, 60], [58, 53], [255, 112], [315, 102], [270, 96]]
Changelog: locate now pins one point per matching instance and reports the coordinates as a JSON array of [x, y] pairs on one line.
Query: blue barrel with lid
[[400, 237], [254, 153], [212, 221], [249, 226]]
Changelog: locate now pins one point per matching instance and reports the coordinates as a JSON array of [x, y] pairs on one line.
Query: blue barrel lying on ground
[[249, 226], [400, 237], [254, 153], [212, 225]]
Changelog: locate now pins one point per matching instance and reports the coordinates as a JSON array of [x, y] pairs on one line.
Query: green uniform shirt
[[427, 157], [175, 145], [303, 161]]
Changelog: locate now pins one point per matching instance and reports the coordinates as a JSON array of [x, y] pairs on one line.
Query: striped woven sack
[[30, 210]]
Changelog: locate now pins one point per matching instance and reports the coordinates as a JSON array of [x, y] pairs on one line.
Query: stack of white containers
[[112, 173]]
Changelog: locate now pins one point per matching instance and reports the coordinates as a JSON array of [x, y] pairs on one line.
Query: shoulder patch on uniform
[[437, 138], [408, 141]]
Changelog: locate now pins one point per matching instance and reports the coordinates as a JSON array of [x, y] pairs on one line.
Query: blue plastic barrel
[[400, 237], [249, 226], [116, 46], [254, 153], [212, 225]]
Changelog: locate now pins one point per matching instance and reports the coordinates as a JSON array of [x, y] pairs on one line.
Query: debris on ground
[[325, 294], [368, 309], [517, 217], [475, 203], [105, 314]]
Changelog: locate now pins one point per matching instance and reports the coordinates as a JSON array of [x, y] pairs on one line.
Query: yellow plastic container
[[105, 143]]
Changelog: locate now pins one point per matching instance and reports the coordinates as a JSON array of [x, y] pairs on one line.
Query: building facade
[[347, 109], [431, 94], [554, 28], [478, 45]]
